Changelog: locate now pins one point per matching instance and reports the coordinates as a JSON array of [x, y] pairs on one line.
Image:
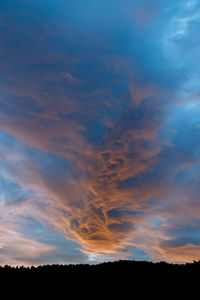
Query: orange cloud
[[90, 207], [181, 254]]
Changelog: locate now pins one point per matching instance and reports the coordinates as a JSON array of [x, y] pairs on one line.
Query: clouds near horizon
[[99, 131]]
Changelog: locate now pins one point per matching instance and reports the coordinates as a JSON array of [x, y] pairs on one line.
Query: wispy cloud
[[99, 131]]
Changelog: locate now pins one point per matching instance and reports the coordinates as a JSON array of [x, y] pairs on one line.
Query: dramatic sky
[[99, 131]]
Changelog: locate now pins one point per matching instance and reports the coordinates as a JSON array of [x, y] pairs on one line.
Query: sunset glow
[[99, 131]]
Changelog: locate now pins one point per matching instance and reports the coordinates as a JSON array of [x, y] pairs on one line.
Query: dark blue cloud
[[99, 118]]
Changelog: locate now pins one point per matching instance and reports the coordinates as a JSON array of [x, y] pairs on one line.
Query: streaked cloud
[[99, 121]]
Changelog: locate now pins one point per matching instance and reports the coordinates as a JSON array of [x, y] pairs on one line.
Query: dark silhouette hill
[[117, 267], [116, 278]]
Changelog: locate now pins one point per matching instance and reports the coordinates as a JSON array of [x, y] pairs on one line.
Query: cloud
[[148, 12], [182, 254], [15, 248], [99, 131]]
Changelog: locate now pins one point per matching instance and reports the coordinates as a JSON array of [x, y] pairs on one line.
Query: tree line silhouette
[[122, 266], [125, 277]]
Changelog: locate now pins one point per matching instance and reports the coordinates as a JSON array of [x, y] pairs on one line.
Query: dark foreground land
[[114, 268], [120, 277]]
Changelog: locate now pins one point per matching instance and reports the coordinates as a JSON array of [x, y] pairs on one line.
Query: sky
[[99, 131]]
